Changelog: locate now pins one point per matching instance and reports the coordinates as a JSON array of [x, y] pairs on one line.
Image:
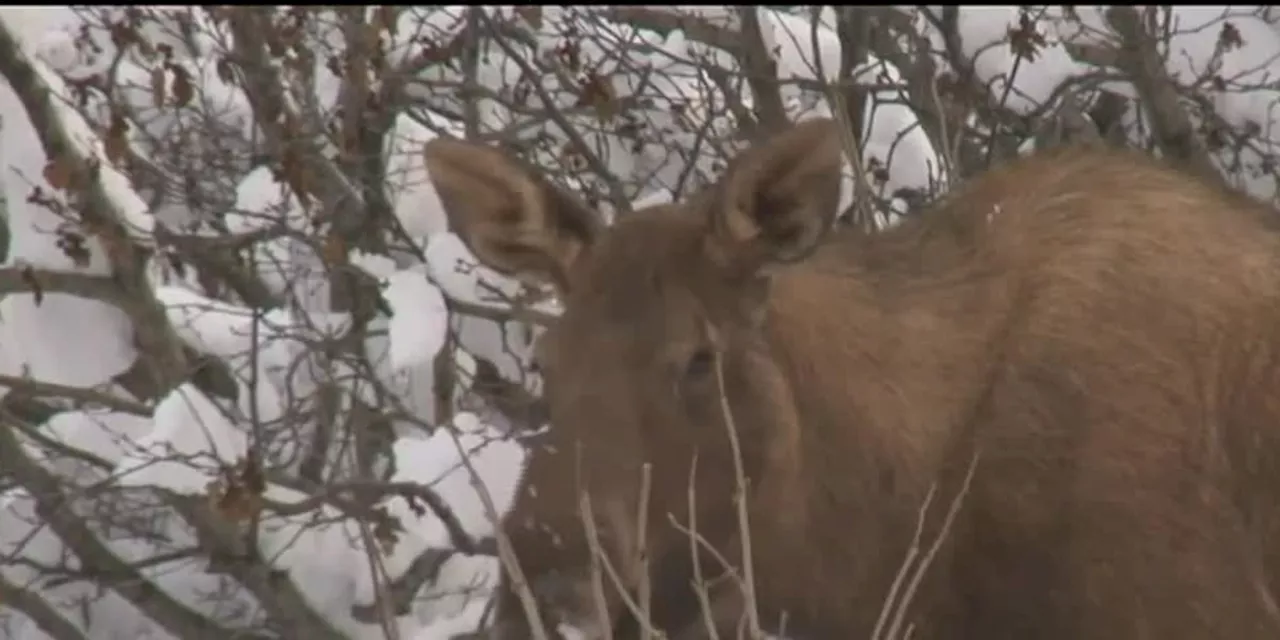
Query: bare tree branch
[[98, 560], [155, 338], [1141, 61], [78, 396], [36, 608], [36, 281]]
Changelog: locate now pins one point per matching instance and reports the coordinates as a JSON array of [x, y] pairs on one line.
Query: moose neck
[[885, 359], [883, 351]]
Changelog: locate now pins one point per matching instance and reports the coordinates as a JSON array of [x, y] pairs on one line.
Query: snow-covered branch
[[245, 356]]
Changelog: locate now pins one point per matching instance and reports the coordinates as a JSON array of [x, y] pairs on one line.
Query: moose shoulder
[[1080, 349]]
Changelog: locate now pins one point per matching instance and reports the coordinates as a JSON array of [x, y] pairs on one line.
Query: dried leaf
[[58, 172], [183, 89], [572, 158], [158, 87], [415, 505], [532, 15], [598, 93], [1229, 38], [73, 245], [122, 35], [387, 17], [116, 142], [252, 475], [334, 249], [568, 52], [237, 495], [386, 529], [1025, 40], [238, 504], [28, 276], [226, 72], [293, 171]]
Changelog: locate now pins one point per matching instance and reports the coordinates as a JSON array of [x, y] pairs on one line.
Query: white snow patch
[[192, 440], [437, 463], [417, 205], [420, 321]]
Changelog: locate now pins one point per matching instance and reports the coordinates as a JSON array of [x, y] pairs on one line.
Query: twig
[[740, 499], [506, 554], [598, 559], [699, 581], [890, 599], [80, 396], [917, 576], [155, 338], [642, 550]]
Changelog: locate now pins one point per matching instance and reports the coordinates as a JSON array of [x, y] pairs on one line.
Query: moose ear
[[779, 198], [512, 219]]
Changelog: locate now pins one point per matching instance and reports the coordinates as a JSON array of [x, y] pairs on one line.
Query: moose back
[[1079, 351]]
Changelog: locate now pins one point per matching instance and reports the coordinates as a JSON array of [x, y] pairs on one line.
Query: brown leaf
[[58, 172], [122, 35], [1229, 38], [232, 496], [386, 529], [598, 93], [1025, 40], [183, 89], [238, 504], [532, 15], [116, 142], [28, 276], [334, 249], [251, 474], [387, 17], [572, 158], [158, 87], [74, 246], [569, 53], [294, 172], [226, 72]]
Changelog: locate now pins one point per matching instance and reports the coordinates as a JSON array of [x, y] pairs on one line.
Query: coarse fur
[[1097, 334]]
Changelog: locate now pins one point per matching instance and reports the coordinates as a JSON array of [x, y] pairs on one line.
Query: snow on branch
[[108, 205]]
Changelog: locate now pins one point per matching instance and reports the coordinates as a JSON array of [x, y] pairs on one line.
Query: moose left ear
[[778, 199]]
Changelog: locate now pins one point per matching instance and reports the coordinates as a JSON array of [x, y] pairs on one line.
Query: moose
[[1078, 351]]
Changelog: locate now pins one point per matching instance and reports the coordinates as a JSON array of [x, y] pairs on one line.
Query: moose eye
[[701, 364]]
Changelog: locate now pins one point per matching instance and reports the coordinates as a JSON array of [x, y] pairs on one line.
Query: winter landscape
[[253, 385]]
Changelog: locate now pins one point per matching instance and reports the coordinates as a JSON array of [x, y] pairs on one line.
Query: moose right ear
[[512, 219]]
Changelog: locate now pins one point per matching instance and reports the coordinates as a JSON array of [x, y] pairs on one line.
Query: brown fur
[[1101, 331]]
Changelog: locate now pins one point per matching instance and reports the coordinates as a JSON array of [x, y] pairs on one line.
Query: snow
[[264, 204], [417, 205], [438, 462], [102, 434], [457, 271], [192, 440], [891, 139], [985, 41], [132, 211], [180, 448], [421, 318]]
